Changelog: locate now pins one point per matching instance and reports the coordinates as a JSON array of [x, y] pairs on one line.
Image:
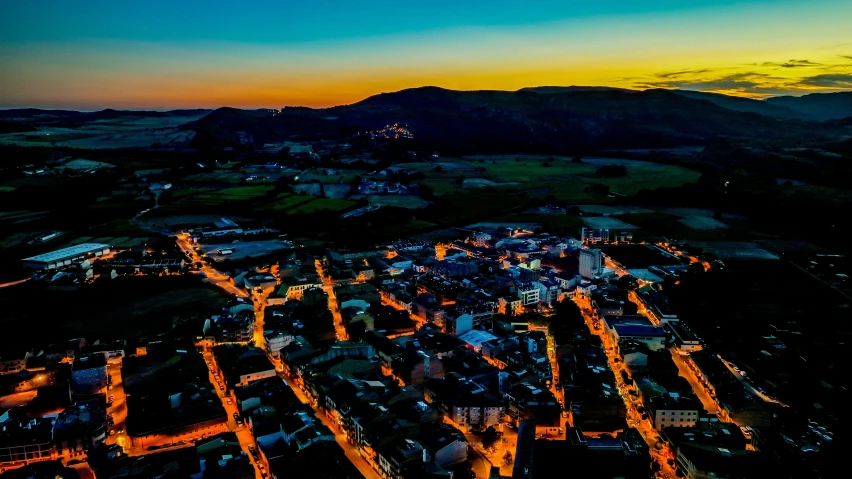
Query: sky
[[156, 54]]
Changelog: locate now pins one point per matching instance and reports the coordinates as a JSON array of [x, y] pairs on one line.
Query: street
[[632, 403], [328, 287]]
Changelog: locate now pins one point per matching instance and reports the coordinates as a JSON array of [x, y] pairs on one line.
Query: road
[[328, 287], [118, 409], [13, 283], [632, 403], [245, 437], [348, 449], [213, 276], [707, 400], [748, 385], [138, 222]]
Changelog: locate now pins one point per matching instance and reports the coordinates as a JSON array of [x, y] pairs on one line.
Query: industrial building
[[66, 256]]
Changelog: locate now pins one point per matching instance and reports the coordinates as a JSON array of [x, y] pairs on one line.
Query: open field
[[607, 222], [216, 177], [210, 199], [638, 256], [125, 307], [122, 132], [539, 176], [703, 223], [727, 250], [321, 204], [284, 201], [399, 201]]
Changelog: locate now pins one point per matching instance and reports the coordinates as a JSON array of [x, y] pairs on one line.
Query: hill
[[817, 106], [501, 121], [745, 105]]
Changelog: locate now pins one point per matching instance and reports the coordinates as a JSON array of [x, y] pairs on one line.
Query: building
[[528, 294], [636, 328], [66, 256], [673, 410], [591, 263], [26, 441], [89, 374], [594, 235]]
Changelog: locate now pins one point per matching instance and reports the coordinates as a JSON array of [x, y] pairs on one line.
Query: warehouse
[[66, 256]]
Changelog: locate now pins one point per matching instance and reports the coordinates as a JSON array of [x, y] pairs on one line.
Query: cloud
[[792, 64], [758, 80], [682, 73], [829, 80]]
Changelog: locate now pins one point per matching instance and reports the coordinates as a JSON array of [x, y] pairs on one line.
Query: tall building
[[591, 263]]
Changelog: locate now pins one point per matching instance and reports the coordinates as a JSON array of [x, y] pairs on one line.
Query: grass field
[[109, 309], [320, 204], [213, 198], [399, 201], [554, 224], [564, 179], [284, 201]]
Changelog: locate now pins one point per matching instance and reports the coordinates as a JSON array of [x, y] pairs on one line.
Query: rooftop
[[69, 252]]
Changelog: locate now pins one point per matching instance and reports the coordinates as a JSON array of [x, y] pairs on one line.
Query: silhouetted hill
[[746, 105], [817, 106], [501, 121], [551, 90]]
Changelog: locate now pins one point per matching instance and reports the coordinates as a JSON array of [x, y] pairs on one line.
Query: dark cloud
[[792, 64], [829, 80], [746, 82], [681, 73]]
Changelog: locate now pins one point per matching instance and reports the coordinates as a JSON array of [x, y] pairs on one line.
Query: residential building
[[591, 263]]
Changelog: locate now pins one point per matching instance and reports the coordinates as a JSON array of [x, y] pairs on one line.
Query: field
[[399, 201], [121, 308], [462, 180], [304, 204], [284, 201], [321, 204], [216, 177], [727, 250], [208, 199], [638, 256], [607, 222]]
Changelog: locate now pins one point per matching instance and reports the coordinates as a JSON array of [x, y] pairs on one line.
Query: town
[[495, 354]]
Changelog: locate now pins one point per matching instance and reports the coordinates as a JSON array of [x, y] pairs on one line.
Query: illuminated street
[[328, 287]]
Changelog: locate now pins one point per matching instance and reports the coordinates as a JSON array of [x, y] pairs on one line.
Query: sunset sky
[[92, 54]]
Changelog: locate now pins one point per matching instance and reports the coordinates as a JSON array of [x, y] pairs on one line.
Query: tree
[[489, 438], [439, 169], [576, 159]]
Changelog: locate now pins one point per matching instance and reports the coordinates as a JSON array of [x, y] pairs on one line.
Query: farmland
[[561, 177]]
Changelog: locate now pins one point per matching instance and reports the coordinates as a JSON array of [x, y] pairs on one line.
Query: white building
[[591, 263], [66, 256], [528, 294]]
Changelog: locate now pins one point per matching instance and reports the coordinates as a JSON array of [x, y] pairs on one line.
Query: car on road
[[230, 401]]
